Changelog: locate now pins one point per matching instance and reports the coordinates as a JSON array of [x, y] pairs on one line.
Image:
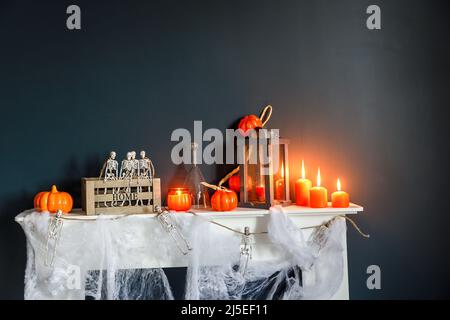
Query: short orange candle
[[318, 197], [340, 199], [302, 187], [260, 193], [179, 199]]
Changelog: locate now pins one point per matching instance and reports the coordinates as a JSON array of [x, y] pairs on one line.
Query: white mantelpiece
[[255, 219]]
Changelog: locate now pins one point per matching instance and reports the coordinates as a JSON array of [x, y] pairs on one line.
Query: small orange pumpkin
[[235, 183], [224, 200], [53, 200]]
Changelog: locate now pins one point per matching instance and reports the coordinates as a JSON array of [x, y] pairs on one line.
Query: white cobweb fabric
[[93, 259], [307, 269], [97, 260]]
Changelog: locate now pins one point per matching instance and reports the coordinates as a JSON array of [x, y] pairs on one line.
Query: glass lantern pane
[[255, 181], [280, 176], [255, 185]]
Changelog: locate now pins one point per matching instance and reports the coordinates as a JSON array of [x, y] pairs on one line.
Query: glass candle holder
[[179, 199]]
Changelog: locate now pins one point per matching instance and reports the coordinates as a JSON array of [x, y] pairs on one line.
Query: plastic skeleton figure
[[53, 235], [246, 251], [127, 172], [112, 167], [171, 227], [146, 171], [126, 169], [135, 164], [110, 170]]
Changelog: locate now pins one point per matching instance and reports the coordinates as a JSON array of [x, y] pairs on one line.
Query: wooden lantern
[[264, 173]]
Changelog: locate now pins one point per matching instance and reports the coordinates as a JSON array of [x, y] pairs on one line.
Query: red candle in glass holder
[[179, 199], [279, 189], [340, 199], [260, 193], [318, 197]]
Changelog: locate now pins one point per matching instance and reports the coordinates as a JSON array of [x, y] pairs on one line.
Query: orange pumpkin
[[53, 200], [250, 122], [235, 183], [224, 200]]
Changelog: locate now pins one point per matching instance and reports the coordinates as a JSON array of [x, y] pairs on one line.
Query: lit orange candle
[[179, 199], [279, 186], [318, 197], [340, 199], [302, 187]]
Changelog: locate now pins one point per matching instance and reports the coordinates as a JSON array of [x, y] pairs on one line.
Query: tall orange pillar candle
[[302, 187], [340, 199], [318, 197]]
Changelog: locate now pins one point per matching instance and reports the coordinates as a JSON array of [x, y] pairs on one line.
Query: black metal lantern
[[264, 173]]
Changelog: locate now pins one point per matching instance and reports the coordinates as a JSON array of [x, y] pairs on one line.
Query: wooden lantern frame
[[267, 180]]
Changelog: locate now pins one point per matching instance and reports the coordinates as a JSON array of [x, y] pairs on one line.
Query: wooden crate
[[120, 196]]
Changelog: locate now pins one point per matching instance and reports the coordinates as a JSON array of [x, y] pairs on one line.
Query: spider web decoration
[[306, 268]]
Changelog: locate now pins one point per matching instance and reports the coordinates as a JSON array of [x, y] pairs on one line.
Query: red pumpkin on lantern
[[53, 200], [250, 122], [224, 200], [254, 122]]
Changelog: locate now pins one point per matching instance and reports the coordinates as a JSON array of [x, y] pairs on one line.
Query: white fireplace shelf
[[255, 219], [239, 212], [291, 210]]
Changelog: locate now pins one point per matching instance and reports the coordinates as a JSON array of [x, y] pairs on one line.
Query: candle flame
[[178, 192], [318, 177], [282, 170], [303, 170], [338, 185]]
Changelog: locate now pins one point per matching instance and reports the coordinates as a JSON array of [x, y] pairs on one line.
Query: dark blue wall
[[370, 106]]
